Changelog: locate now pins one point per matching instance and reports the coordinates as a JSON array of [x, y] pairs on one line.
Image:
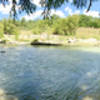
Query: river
[[49, 73]]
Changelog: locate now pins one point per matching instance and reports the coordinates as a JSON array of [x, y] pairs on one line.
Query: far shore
[[51, 40]]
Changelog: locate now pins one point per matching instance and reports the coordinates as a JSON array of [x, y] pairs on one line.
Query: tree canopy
[[68, 26], [29, 6]]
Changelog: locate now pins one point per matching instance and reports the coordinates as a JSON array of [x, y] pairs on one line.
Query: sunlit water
[[43, 73]]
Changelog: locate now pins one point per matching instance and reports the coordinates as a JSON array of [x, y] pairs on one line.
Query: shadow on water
[[49, 74], [72, 95]]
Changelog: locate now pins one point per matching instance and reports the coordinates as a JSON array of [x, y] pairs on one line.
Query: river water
[[48, 73]]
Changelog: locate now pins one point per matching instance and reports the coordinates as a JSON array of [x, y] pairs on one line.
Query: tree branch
[[90, 4]]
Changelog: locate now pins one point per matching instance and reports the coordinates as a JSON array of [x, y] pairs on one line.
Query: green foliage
[[55, 25], [23, 22], [41, 26], [66, 26], [72, 24], [1, 30], [9, 27], [88, 21]]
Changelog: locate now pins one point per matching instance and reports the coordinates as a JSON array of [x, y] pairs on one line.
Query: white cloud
[[35, 15], [70, 1], [91, 13], [70, 12], [37, 2], [6, 9], [77, 12], [38, 14], [58, 12]]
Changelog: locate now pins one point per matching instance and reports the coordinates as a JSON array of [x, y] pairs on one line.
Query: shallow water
[[48, 73]]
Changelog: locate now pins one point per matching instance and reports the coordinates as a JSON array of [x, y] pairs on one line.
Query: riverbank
[[48, 40]]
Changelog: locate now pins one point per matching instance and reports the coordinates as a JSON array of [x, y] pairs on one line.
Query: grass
[[85, 33], [82, 33]]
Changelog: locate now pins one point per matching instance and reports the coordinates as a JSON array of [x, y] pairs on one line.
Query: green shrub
[[37, 31], [10, 28], [1, 30], [72, 24], [88, 21], [66, 26]]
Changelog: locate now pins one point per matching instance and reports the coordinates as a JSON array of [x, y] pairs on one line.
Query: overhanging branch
[[90, 4]]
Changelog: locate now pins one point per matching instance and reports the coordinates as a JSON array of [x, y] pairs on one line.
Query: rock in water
[[2, 51]]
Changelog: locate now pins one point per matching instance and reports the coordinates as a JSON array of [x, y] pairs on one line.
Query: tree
[[1, 30], [84, 20], [66, 26], [29, 7], [23, 22], [10, 27], [88, 21]]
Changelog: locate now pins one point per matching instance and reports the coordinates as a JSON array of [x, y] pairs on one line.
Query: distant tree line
[[88, 21], [55, 25]]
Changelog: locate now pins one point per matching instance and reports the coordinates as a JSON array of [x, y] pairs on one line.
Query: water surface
[[48, 73]]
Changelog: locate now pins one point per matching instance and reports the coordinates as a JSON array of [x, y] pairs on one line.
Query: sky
[[63, 11]]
